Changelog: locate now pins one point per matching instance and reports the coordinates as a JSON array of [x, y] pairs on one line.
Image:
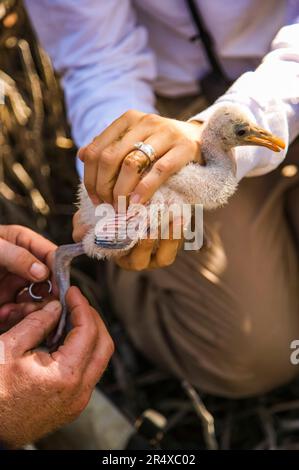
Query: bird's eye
[[241, 132]]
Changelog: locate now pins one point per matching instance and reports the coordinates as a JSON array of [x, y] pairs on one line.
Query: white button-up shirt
[[113, 55]]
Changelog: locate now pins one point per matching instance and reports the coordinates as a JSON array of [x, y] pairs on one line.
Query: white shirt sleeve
[[103, 58], [270, 96]]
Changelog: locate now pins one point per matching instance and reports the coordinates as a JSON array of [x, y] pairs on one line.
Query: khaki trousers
[[224, 317]]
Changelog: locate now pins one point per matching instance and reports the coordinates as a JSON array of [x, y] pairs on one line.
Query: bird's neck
[[213, 147]]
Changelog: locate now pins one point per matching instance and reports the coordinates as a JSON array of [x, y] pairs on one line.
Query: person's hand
[[112, 169], [39, 391], [112, 166], [153, 254], [24, 256]]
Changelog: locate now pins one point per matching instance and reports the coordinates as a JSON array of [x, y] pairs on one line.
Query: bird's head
[[232, 128]]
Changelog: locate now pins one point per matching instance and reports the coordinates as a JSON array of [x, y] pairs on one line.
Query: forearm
[[102, 56]]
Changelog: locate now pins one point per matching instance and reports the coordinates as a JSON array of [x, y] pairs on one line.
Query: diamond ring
[[147, 150]]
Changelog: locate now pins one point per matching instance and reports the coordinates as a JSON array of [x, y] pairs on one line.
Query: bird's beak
[[262, 138]]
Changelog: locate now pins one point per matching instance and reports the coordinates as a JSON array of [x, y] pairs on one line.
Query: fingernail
[[53, 306], [135, 199], [39, 271]]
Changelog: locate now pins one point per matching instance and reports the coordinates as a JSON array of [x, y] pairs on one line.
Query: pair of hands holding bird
[[39, 390], [113, 168]]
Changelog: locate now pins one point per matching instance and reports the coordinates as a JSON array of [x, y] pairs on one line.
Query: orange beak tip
[[276, 144]]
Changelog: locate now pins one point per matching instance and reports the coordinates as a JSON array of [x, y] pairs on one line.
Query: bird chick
[[210, 184]]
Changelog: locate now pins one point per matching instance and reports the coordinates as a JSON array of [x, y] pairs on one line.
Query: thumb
[[20, 261], [31, 331]]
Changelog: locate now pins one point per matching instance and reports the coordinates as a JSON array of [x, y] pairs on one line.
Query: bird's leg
[[62, 266]]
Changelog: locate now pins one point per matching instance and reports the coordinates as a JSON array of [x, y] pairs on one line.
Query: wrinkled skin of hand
[[39, 391], [25, 257], [110, 172]]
